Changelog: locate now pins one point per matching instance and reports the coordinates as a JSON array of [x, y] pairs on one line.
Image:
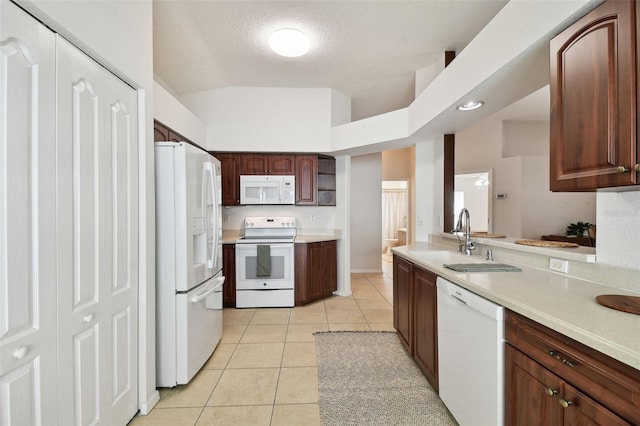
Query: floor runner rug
[[367, 378]]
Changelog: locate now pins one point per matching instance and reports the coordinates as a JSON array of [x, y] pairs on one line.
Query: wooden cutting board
[[630, 304], [541, 243]]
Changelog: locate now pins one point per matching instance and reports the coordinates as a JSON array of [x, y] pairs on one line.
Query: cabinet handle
[[565, 403], [550, 391], [563, 360], [637, 168], [20, 352], [621, 169], [87, 318]]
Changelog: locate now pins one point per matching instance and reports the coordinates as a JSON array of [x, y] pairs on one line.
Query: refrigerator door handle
[[216, 205], [209, 199], [197, 298]]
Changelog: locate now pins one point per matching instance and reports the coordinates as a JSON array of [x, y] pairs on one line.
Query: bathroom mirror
[[473, 191]]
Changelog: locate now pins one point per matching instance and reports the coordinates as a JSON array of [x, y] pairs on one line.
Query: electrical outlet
[[559, 265], [312, 217]]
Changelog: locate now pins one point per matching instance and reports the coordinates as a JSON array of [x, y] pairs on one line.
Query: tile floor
[[263, 371]]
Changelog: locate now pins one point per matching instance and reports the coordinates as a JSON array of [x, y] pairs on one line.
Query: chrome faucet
[[467, 246]]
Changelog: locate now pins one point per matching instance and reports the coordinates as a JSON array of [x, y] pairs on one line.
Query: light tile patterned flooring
[[263, 371]]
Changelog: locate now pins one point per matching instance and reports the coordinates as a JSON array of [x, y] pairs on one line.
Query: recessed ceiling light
[[289, 42], [468, 106]]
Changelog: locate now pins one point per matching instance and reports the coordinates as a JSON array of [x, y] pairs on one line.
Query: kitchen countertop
[[315, 238], [231, 238], [563, 303]]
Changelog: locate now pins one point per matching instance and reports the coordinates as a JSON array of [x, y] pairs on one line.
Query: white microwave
[[267, 189]]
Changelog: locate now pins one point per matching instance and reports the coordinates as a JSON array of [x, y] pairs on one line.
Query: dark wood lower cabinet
[[229, 271], [425, 317], [531, 392], [402, 296], [316, 271], [551, 379], [415, 316]]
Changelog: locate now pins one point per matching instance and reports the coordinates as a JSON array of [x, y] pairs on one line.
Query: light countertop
[[230, 238], [563, 303]]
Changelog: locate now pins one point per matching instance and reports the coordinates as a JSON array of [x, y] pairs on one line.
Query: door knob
[[20, 352]]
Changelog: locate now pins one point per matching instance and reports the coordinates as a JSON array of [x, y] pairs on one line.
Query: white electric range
[[265, 263]]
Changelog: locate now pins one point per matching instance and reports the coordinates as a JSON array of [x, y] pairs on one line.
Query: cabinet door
[[316, 268], [229, 272], [97, 201], [230, 167], [330, 273], [254, 164], [402, 294], [425, 343], [281, 164], [28, 279], [593, 100], [306, 180], [532, 393], [580, 410], [160, 132]]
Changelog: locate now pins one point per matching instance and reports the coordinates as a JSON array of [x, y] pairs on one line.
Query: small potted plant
[[577, 229]]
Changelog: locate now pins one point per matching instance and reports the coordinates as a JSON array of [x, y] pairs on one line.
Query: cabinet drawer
[[608, 381]]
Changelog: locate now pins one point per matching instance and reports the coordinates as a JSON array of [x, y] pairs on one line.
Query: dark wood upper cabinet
[[282, 164], [268, 164], [593, 81], [230, 169], [306, 180], [160, 132]]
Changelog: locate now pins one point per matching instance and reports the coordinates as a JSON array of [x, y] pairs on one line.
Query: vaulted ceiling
[[368, 50]]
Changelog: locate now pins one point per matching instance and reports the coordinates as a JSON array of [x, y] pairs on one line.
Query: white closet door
[[27, 220], [97, 242]]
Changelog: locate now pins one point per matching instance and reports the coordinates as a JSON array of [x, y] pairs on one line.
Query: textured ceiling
[[368, 50]]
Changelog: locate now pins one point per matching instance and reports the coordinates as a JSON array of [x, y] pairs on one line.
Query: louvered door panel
[[27, 220]]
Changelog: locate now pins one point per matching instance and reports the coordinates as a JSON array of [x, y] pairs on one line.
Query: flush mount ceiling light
[[471, 105], [289, 42]]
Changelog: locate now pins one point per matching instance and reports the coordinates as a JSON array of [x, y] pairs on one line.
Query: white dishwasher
[[470, 355]]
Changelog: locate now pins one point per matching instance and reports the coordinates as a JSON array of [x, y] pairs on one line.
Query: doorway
[[395, 212]]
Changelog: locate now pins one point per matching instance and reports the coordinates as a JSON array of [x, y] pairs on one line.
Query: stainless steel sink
[[482, 267]]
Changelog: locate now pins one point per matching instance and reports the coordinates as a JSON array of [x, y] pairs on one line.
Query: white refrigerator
[[188, 260]]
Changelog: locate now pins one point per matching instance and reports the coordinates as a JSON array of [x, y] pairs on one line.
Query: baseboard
[[366, 271], [145, 407], [343, 293]]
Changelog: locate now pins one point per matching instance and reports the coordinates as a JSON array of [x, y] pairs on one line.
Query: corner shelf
[[326, 181]]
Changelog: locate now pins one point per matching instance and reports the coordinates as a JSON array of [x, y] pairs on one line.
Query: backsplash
[[308, 219]]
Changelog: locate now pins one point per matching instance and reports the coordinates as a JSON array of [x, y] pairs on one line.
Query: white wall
[[544, 212], [323, 221], [269, 119], [120, 36], [618, 229], [517, 151], [169, 111], [397, 164], [428, 188], [366, 213]]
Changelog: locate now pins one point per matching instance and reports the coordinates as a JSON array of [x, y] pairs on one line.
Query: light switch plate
[[559, 265]]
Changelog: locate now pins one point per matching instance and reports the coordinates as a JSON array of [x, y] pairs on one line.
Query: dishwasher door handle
[[458, 299]]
